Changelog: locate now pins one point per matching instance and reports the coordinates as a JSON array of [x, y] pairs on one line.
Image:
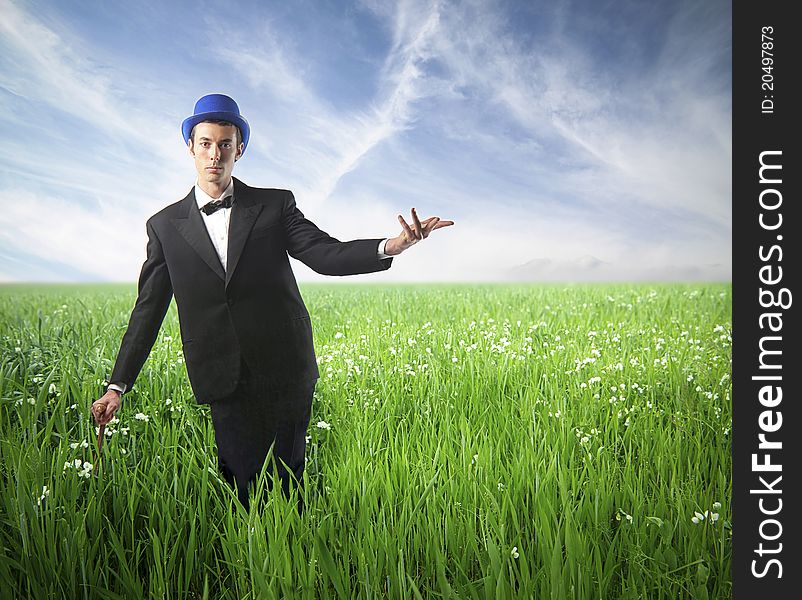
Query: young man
[[223, 252]]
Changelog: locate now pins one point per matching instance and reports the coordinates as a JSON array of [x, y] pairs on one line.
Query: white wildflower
[[86, 471], [45, 494]]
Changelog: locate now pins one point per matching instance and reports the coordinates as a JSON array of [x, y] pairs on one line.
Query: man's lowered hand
[[103, 408]]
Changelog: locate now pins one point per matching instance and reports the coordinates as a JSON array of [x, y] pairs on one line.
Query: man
[[222, 252]]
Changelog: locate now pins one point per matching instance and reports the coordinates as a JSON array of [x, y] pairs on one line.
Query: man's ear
[[191, 148], [239, 152]]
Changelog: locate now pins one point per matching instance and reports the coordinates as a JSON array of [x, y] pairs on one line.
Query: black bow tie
[[214, 205]]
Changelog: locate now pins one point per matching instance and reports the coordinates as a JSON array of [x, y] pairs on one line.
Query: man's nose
[[215, 152]]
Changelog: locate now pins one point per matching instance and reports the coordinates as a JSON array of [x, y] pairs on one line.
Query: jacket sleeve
[[153, 299], [324, 254]]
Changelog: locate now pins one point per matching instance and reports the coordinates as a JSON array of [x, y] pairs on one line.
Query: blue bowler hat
[[217, 107]]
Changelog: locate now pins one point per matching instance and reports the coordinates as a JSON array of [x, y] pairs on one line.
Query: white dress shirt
[[217, 226], [217, 222]]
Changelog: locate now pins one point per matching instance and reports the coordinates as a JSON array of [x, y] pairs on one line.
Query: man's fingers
[[408, 235], [429, 225], [100, 413], [107, 416], [443, 224], [418, 226]]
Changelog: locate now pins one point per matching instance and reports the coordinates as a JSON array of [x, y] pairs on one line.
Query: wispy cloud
[[594, 137], [325, 144], [630, 165], [78, 186]]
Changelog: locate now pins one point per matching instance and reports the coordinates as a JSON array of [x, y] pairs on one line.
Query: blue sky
[[568, 140]]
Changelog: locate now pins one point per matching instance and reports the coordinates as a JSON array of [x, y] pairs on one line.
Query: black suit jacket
[[253, 310]]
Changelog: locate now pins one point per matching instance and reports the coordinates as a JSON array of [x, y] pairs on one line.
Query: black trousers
[[254, 419]]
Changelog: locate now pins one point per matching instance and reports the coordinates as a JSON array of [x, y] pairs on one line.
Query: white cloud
[[539, 156], [56, 230]]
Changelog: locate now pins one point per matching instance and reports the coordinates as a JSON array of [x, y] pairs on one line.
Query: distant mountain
[[592, 268]]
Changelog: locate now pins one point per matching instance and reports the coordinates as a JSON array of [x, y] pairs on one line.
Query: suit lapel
[[193, 230], [243, 216]]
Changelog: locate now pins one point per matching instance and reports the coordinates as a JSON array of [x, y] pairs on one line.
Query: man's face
[[214, 149]]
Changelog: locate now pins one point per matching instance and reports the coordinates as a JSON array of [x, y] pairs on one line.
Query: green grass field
[[487, 441]]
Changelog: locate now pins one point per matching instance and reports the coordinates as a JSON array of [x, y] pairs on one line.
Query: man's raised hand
[[411, 235]]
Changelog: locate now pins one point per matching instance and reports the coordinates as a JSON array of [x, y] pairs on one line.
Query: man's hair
[[238, 140]]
